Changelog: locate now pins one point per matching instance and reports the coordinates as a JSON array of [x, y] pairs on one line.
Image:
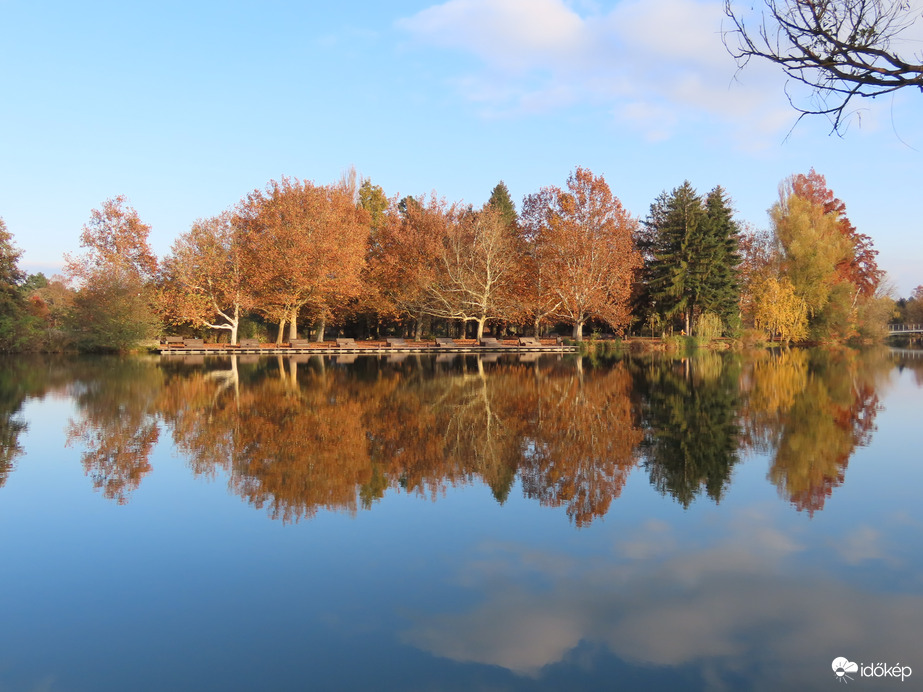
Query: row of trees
[[346, 255]]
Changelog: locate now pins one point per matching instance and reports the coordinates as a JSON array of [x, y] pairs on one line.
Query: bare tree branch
[[840, 49]]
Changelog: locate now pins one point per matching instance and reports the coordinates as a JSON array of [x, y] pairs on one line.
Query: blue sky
[[185, 107]]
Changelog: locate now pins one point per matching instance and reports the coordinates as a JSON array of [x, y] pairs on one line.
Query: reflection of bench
[[396, 341], [346, 343], [529, 341], [249, 343], [193, 343], [443, 342]]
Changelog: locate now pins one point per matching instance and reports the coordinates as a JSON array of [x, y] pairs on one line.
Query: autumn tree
[[370, 303], [406, 255], [583, 238], [113, 303], [204, 280], [760, 259], [840, 49], [476, 267], [860, 266], [115, 426], [779, 310], [913, 307], [831, 266], [536, 300], [303, 246]]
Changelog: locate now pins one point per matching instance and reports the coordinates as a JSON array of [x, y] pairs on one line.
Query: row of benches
[[393, 342]]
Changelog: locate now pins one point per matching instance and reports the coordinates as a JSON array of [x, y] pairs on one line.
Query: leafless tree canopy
[[841, 49]]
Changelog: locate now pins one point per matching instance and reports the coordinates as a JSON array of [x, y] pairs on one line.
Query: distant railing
[[905, 329]]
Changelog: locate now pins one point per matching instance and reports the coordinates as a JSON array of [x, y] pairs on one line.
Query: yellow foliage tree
[[779, 310]]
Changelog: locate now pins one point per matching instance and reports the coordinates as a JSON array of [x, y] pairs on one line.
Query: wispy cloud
[[654, 66]]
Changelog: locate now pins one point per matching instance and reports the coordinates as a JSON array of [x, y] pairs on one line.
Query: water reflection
[[691, 440], [719, 607], [302, 434], [810, 410]]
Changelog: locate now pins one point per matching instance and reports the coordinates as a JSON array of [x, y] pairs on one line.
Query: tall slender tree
[[722, 281], [675, 272]]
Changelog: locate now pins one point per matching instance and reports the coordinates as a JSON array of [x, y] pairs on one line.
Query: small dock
[[364, 348]]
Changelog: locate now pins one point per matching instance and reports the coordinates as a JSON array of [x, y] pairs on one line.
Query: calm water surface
[[460, 524]]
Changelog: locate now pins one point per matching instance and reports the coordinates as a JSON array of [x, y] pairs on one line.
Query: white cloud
[[668, 604], [510, 34], [665, 60]]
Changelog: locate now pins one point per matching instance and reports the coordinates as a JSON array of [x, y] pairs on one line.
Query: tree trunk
[[293, 325], [481, 322], [418, 330], [537, 327], [321, 325], [578, 331], [281, 331], [235, 324]]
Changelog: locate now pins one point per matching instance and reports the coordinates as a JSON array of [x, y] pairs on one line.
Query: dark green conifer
[[501, 200], [692, 256]]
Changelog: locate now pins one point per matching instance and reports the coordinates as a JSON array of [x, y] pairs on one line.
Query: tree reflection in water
[[297, 435], [810, 410], [691, 427]]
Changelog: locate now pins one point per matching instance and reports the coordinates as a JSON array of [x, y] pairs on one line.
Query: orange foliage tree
[[584, 238], [861, 267], [204, 280], [303, 246], [404, 258]]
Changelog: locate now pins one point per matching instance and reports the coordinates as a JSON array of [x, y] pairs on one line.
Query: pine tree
[[674, 272], [693, 256], [501, 200], [722, 286]]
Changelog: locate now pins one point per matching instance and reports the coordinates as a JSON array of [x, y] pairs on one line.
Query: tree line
[[297, 256]]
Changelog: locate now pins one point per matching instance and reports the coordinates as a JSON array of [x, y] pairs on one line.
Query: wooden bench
[[249, 343], [491, 342], [173, 341], [443, 342], [193, 343], [529, 341], [300, 343], [346, 343], [395, 341]]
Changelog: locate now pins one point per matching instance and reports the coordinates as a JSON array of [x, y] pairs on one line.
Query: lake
[[717, 522]]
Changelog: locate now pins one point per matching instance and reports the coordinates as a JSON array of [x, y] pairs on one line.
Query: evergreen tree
[[501, 200], [692, 256], [675, 268], [722, 286]]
